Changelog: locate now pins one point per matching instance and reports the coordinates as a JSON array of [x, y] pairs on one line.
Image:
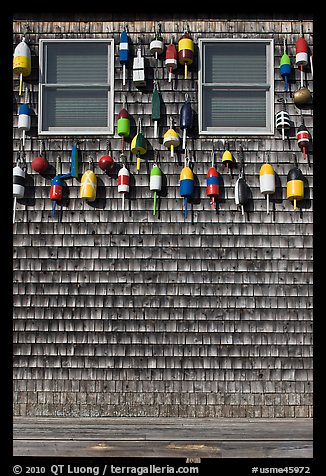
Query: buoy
[[24, 117], [187, 184], [138, 145], [124, 53], [88, 184], [123, 125], [241, 192], [155, 183], [171, 139], [123, 183], [56, 192], [171, 59], [302, 54], [212, 184], [106, 163], [39, 163], [74, 161], [227, 159], [19, 176], [295, 186], [303, 139], [138, 72], [282, 122], [156, 108], [302, 96], [156, 46], [267, 181], [185, 119], [186, 51], [22, 62], [285, 67]]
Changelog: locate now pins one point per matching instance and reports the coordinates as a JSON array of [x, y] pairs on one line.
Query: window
[[236, 86], [76, 86]]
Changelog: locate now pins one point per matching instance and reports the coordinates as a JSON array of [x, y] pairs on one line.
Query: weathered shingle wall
[[127, 314]]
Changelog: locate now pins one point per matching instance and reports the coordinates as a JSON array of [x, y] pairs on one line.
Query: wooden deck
[[163, 437]]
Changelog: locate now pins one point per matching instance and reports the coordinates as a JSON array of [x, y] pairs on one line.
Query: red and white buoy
[[171, 59], [302, 54], [303, 139], [123, 183]]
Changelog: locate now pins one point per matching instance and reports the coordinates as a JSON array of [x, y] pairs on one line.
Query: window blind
[[236, 86], [77, 63], [76, 90]]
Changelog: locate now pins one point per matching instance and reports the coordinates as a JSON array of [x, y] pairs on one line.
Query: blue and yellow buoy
[[187, 184]]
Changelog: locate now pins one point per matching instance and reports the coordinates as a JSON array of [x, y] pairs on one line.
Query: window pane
[[75, 107], [235, 62], [77, 62], [234, 108]]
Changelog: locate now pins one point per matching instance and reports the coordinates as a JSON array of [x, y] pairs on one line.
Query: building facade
[[120, 312]]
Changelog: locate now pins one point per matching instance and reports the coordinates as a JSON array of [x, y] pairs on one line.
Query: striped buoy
[[171, 59], [303, 139], [301, 54], [186, 51], [124, 53], [212, 183], [171, 139], [295, 186], [282, 122], [18, 190], [123, 183], [187, 184]]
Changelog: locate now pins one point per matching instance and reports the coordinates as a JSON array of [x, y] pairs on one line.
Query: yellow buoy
[[88, 186], [22, 64]]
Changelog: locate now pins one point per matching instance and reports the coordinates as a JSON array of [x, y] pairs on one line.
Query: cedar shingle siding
[[120, 313]]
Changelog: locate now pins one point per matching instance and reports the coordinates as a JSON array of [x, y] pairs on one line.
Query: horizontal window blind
[[230, 108], [235, 63], [76, 107], [77, 63]]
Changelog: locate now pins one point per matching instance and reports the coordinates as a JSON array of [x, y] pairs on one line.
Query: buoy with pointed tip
[[285, 68], [124, 54], [138, 72], [212, 184], [22, 62], [295, 186], [303, 139], [123, 183], [187, 184], [156, 108], [155, 183], [267, 181], [138, 146], [171, 59], [74, 161], [241, 192], [186, 52], [171, 139], [186, 119], [282, 122]]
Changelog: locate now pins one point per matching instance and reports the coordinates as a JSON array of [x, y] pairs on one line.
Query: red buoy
[[40, 164], [106, 163]]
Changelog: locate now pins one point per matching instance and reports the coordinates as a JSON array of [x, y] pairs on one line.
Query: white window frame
[[109, 129], [220, 131]]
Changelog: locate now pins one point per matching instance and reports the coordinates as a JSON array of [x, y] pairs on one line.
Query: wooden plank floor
[[163, 437]]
